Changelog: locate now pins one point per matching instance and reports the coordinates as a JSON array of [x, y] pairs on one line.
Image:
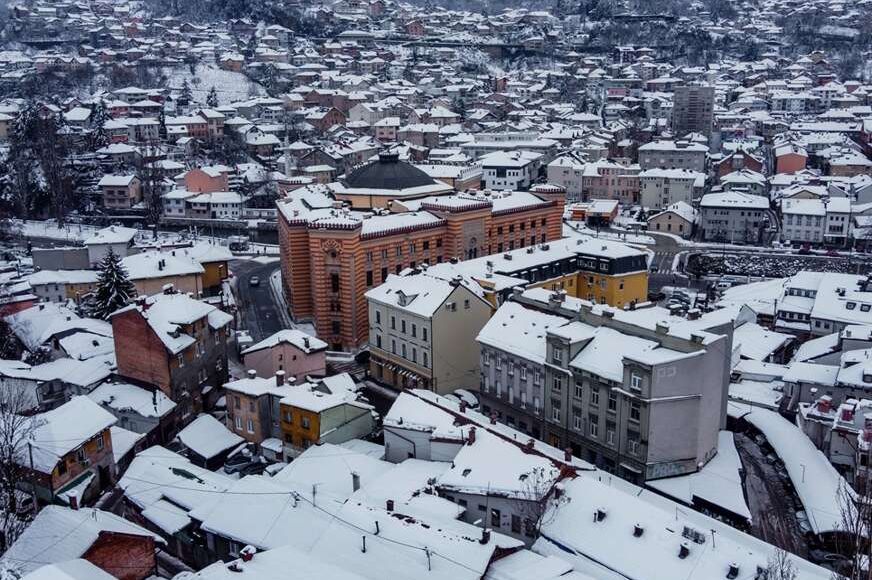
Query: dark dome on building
[[388, 173]]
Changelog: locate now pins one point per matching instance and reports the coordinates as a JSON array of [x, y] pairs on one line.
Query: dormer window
[[851, 305]]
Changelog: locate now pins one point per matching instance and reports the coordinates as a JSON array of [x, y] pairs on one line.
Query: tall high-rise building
[[692, 110]]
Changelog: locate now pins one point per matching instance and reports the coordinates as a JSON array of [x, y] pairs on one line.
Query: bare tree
[[16, 430], [779, 566], [537, 503], [852, 539]]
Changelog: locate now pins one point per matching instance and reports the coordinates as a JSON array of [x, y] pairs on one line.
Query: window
[[555, 411], [393, 346], [251, 406], [377, 317], [238, 422], [403, 348], [557, 384], [337, 327], [393, 323], [250, 426], [557, 355], [289, 417], [536, 377], [577, 421], [593, 421], [100, 443], [334, 282], [536, 405], [613, 401], [516, 524], [62, 466], [635, 411], [305, 423], [414, 355], [237, 402], [633, 443], [425, 359], [369, 278], [424, 333], [403, 326], [414, 330], [496, 517], [523, 371], [181, 359], [498, 362], [579, 390], [635, 382], [594, 396], [523, 399], [466, 304]]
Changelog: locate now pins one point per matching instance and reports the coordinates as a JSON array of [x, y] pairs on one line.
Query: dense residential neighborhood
[[463, 290]]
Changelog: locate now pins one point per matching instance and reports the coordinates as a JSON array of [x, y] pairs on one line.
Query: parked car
[[236, 462], [253, 468]]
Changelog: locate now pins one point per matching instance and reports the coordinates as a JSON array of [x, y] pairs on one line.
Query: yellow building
[[324, 412], [602, 271]]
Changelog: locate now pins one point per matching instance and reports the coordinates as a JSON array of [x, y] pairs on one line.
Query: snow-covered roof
[[111, 235], [153, 264], [207, 437], [166, 486], [58, 534], [329, 467], [305, 342], [519, 331], [167, 313], [64, 429], [600, 547], [123, 397]]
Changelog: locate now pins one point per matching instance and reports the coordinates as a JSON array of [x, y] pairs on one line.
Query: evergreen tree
[[99, 137], [114, 288], [185, 95], [212, 98]]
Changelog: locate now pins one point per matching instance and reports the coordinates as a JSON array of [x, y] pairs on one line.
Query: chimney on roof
[[73, 497], [733, 571], [463, 406], [485, 536], [355, 481], [247, 553], [471, 435], [306, 342], [252, 374], [684, 550], [662, 328], [389, 505], [280, 378], [567, 455], [638, 530]]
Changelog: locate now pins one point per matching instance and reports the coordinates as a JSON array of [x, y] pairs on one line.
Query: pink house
[[290, 350], [207, 179]]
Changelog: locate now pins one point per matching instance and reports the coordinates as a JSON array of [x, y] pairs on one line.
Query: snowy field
[[229, 85]]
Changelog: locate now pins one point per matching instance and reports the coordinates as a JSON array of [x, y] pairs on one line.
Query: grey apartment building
[[640, 402], [693, 110]]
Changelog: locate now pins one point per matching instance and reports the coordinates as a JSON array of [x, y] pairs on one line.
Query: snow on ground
[[718, 482], [814, 478], [627, 237], [229, 85]]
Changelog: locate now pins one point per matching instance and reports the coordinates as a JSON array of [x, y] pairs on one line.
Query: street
[[773, 506], [257, 309]]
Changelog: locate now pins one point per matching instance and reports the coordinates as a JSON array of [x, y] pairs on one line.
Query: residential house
[[291, 351], [420, 328]]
